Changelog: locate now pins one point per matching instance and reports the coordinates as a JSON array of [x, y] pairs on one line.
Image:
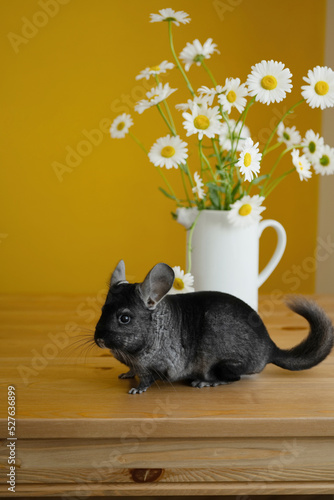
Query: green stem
[[274, 131], [189, 175], [184, 186], [170, 116], [176, 59], [191, 230], [212, 78], [275, 165], [165, 119], [200, 156], [272, 148], [206, 160], [217, 152], [243, 118], [168, 185], [137, 141], [277, 181], [167, 108]]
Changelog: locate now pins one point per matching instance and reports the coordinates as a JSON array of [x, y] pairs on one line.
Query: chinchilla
[[206, 338]]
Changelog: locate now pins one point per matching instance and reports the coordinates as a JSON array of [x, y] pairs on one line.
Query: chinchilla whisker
[[76, 346], [87, 330]]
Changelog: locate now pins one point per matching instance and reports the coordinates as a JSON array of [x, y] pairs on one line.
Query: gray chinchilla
[[207, 338]]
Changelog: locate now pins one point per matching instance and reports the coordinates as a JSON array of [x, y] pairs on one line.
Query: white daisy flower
[[319, 93], [313, 146], [170, 15], [198, 189], [195, 52], [225, 136], [269, 81], [155, 70], [168, 152], [183, 283], [120, 126], [202, 121], [289, 135], [249, 160], [246, 211], [186, 216], [210, 93], [303, 166], [234, 96], [325, 164], [155, 95], [199, 100]]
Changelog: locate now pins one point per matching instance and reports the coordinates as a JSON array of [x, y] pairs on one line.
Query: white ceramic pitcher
[[225, 258]]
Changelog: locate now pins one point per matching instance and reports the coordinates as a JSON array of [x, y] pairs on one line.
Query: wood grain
[[182, 460], [85, 490], [63, 384], [267, 434]]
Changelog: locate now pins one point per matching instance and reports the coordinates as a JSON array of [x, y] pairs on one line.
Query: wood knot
[[146, 475]]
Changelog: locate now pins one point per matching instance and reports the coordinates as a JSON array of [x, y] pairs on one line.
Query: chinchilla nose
[[100, 343]]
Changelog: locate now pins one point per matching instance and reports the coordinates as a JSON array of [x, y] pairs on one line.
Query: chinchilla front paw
[[200, 383], [203, 383], [137, 390]]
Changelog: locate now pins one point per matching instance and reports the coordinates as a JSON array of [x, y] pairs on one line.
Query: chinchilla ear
[[156, 285], [118, 274]]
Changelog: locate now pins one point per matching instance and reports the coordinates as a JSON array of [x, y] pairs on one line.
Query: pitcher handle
[[279, 250]]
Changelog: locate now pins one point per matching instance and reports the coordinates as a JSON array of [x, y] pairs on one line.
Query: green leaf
[[167, 194], [215, 187], [236, 188], [257, 180], [213, 195]]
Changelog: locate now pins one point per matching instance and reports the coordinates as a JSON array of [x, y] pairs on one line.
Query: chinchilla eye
[[124, 319]]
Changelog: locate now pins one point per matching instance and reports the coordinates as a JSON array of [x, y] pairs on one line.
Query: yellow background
[[76, 73]]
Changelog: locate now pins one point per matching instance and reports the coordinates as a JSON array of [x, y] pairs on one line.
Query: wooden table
[[80, 433]]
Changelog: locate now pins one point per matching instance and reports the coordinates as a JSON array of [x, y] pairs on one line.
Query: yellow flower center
[[231, 96], [120, 126], [245, 209], [247, 159], [321, 88], [178, 284], [269, 82], [300, 165], [155, 68], [202, 122], [167, 152]]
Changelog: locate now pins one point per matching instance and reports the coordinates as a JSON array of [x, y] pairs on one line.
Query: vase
[[225, 258]]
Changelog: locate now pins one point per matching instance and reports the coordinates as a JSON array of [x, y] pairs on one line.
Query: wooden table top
[[64, 391]]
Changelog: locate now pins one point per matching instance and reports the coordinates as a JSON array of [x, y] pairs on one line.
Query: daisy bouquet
[[227, 174]]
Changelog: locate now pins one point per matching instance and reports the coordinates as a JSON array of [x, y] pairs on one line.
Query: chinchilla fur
[[206, 338]]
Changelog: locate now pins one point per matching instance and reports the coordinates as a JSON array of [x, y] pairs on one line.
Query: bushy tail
[[317, 345]]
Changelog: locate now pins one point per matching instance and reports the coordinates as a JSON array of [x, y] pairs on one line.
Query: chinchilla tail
[[317, 345]]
